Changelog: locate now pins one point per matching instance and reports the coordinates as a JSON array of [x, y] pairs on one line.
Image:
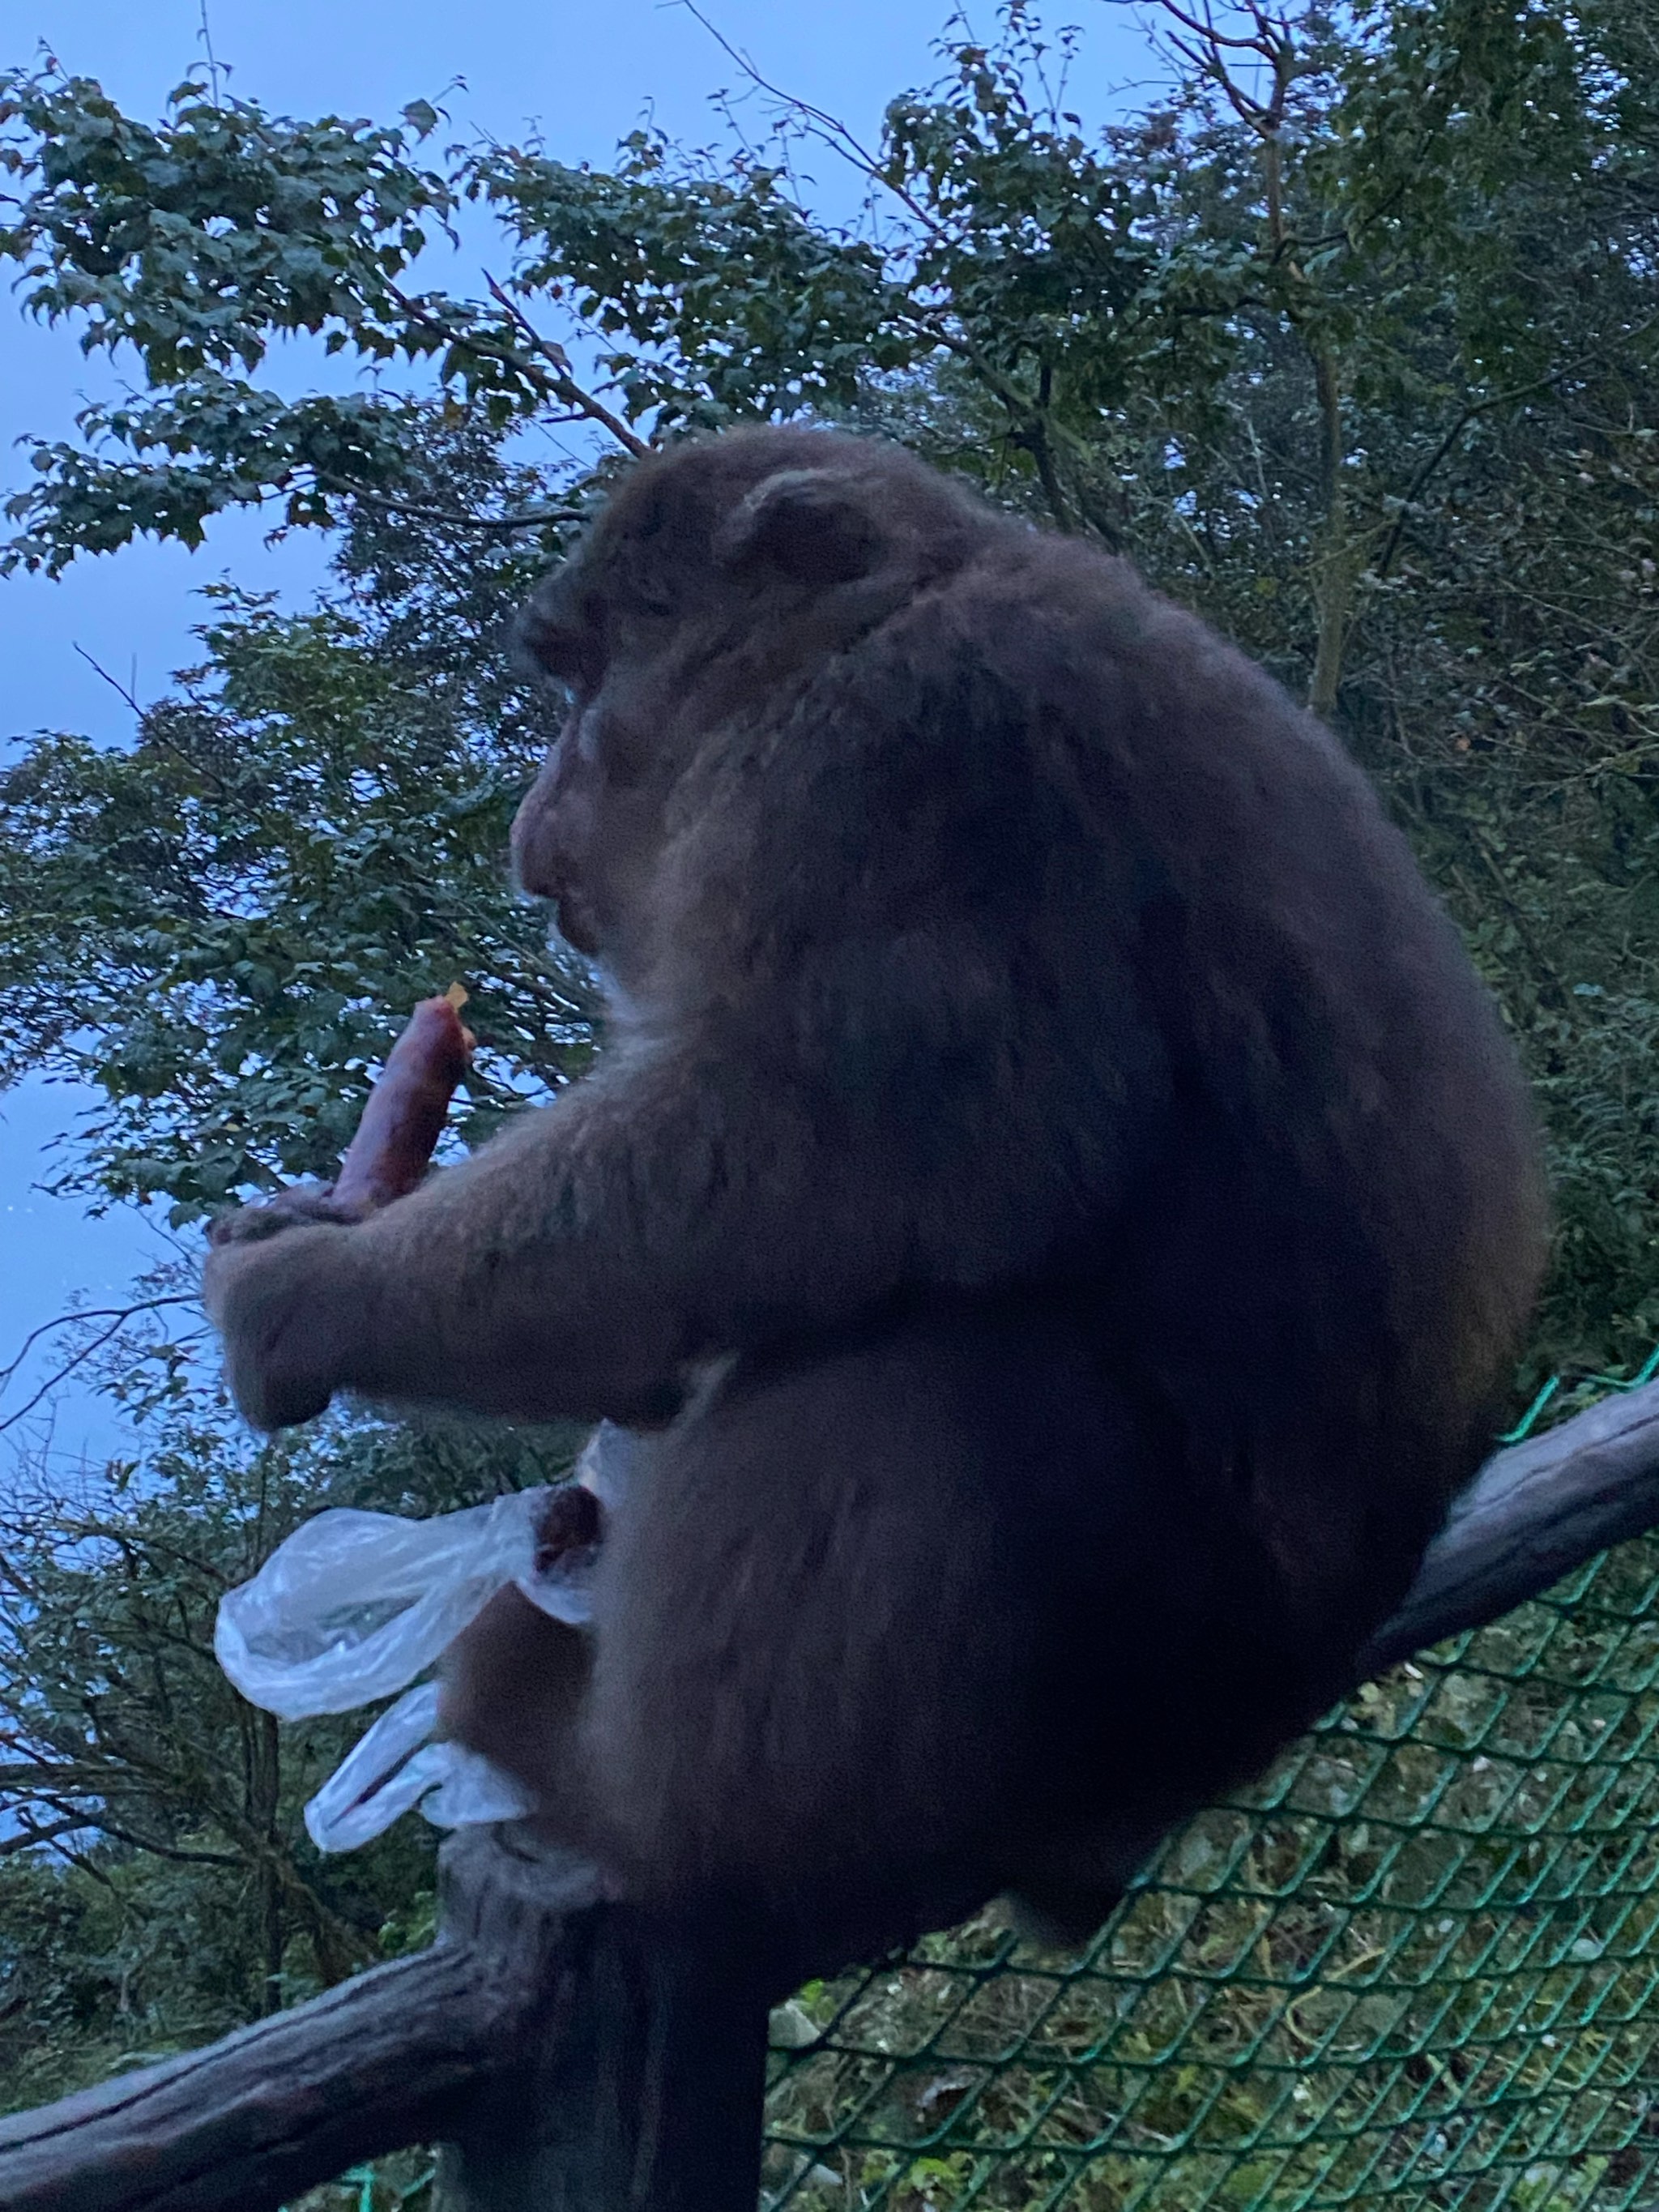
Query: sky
[[585, 71]]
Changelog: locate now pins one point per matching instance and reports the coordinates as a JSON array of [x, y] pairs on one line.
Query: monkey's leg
[[1069, 1881], [844, 1655], [514, 1683]]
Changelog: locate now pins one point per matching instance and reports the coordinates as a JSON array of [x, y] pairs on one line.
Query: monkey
[[1056, 1211]]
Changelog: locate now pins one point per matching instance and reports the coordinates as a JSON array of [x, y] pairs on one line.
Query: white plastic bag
[[395, 1766], [355, 1606]]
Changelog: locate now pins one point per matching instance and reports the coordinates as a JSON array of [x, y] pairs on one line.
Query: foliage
[[1346, 340], [1416, 1966], [222, 926]]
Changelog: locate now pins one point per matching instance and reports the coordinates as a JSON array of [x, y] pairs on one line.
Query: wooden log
[[570, 2052], [642, 2086], [1536, 1511], [379, 2060]]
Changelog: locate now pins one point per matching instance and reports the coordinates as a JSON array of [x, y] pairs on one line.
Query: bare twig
[[123, 691], [118, 1316], [90, 1313], [1267, 28], [151, 728], [206, 37], [1476, 408], [828, 130], [550, 348], [30, 1834], [456, 518], [551, 381]]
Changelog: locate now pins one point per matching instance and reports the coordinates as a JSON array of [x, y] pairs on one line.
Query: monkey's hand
[[289, 1208], [272, 1290]]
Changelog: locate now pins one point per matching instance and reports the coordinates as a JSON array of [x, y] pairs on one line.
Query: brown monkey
[[1057, 1186]]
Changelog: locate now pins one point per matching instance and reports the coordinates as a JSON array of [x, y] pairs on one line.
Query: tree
[[1346, 340], [223, 926]]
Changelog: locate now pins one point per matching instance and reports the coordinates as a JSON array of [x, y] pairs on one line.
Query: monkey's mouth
[[575, 927]]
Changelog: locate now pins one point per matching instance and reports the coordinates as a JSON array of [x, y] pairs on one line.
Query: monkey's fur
[[1056, 1174]]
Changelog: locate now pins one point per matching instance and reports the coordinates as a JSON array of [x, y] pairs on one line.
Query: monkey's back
[[1339, 1227], [1126, 902], [1052, 1103]]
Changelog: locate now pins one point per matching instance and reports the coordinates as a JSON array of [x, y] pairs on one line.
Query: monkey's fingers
[[571, 1521], [297, 1207], [404, 1116]]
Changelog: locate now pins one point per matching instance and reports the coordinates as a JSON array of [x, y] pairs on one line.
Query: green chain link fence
[[1418, 1965]]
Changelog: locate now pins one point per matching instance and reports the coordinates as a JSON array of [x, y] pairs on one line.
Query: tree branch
[[90, 1313], [117, 1317], [1204, 26], [553, 382], [1333, 569], [456, 518], [1477, 408], [817, 123], [31, 1837], [149, 730], [551, 2032], [1536, 1511]]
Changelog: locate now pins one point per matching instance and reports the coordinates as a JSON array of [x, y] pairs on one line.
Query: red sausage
[[405, 1115]]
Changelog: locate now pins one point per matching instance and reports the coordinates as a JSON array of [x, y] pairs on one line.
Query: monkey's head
[[720, 573]]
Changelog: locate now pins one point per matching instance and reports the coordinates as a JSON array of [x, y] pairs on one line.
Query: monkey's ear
[[812, 525]]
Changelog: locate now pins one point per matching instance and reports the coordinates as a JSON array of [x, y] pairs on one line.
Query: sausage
[[404, 1116]]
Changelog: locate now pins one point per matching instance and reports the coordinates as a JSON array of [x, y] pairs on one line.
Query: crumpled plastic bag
[[355, 1606], [396, 1766]]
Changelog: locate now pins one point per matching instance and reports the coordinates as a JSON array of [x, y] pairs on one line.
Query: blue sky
[[586, 72]]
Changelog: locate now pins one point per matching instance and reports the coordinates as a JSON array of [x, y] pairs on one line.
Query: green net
[[1417, 1966]]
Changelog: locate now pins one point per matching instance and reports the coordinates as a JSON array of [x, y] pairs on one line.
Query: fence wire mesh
[[1417, 1967]]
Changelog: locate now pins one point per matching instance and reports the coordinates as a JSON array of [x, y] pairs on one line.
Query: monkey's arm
[[674, 1206], [659, 1213]]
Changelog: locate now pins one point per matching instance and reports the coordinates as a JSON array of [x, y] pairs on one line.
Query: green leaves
[[224, 928], [172, 1892], [190, 247], [711, 295], [196, 241], [1351, 341]]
